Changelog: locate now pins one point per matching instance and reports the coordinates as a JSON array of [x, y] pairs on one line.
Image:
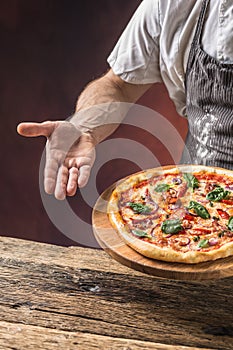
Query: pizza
[[176, 214]]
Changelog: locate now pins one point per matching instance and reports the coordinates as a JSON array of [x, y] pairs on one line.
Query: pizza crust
[[151, 250]]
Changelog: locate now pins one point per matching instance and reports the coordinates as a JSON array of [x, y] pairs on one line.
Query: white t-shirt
[[155, 45]]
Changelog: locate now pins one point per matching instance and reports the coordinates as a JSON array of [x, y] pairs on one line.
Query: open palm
[[69, 155]]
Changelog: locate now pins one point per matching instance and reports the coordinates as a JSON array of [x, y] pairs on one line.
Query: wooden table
[[78, 298]]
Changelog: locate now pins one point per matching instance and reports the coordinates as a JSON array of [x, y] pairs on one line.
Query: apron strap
[[200, 24], [197, 39]]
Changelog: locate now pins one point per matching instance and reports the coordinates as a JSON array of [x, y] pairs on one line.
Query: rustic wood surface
[[112, 243], [77, 298]]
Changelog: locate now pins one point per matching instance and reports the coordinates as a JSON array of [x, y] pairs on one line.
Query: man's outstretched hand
[[69, 155]]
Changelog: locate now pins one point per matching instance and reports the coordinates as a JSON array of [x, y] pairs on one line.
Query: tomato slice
[[202, 230], [223, 214], [188, 217], [227, 201]]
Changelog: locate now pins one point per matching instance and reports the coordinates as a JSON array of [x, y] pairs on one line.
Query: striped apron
[[209, 102]]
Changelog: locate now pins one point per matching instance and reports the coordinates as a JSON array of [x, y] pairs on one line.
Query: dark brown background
[[49, 51]]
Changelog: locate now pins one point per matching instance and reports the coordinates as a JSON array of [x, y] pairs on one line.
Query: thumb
[[36, 129]]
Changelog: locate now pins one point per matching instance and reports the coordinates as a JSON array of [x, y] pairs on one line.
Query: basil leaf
[[204, 243], [217, 194], [140, 233], [191, 180], [230, 223], [199, 210], [162, 188], [139, 208], [171, 226]]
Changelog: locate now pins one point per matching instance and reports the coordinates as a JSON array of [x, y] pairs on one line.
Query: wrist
[[89, 136]]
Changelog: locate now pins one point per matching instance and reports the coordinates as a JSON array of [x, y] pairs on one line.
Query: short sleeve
[[135, 57]]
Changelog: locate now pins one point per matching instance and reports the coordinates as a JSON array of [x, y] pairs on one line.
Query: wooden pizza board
[[112, 243]]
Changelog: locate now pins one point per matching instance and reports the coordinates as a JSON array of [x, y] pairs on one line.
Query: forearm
[[103, 104], [102, 90]]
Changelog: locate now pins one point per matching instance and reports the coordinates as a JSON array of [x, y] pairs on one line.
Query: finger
[[62, 179], [36, 129], [50, 175], [72, 182], [84, 173]]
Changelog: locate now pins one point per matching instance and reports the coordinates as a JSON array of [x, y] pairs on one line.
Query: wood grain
[[112, 243], [56, 295], [40, 338]]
